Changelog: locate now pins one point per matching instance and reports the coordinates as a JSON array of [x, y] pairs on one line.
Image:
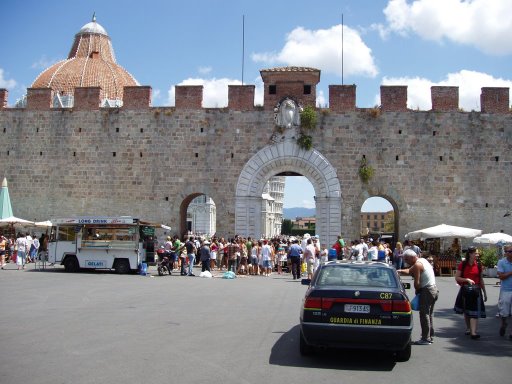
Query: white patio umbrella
[[43, 224], [493, 238], [443, 230], [15, 221]]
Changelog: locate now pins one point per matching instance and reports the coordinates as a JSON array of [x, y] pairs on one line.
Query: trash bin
[[381, 256], [332, 255]]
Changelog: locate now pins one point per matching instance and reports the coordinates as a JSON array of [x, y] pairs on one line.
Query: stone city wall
[[439, 166]]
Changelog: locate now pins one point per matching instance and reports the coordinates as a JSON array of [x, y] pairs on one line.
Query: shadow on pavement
[[285, 352], [490, 343]]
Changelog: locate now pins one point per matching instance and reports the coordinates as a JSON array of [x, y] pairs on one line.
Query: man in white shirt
[[309, 258], [266, 257], [30, 241], [425, 284], [360, 250]]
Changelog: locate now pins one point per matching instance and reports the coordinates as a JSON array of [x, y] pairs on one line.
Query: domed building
[[90, 63]]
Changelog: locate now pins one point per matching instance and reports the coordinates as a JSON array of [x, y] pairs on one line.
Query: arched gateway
[[288, 158]]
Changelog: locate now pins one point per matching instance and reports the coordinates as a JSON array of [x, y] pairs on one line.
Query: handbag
[[470, 290], [415, 303]]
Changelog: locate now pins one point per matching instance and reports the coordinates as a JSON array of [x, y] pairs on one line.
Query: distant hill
[[292, 213]]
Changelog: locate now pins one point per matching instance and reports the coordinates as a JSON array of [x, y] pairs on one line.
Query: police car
[[356, 305]]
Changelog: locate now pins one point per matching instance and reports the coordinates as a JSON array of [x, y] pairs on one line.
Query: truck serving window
[[111, 236], [66, 234]]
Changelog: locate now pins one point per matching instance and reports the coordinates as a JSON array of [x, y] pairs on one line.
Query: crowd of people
[[280, 254], [23, 249]]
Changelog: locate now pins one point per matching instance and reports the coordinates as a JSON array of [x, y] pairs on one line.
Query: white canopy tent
[[442, 231], [493, 238]]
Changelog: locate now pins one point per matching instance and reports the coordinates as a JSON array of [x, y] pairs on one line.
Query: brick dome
[[90, 63]]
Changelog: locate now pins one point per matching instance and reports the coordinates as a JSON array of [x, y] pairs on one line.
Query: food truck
[[119, 243]]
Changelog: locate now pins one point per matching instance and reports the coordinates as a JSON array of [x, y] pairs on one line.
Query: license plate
[[357, 308]]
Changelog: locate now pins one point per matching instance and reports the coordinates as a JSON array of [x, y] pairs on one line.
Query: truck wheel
[[122, 266], [71, 264]]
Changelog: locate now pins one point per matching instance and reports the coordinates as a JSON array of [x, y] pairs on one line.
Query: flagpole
[[342, 49], [243, 47]]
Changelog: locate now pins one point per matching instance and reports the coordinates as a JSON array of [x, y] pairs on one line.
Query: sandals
[[468, 332]]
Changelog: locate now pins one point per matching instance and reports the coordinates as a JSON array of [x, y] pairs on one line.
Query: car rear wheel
[[405, 354], [304, 348]]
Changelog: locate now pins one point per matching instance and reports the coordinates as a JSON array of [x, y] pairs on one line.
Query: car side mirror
[[406, 285], [305, 281]]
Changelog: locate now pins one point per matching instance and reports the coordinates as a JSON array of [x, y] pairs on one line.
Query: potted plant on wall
[[366, 171], [489, 259], [308, 121]]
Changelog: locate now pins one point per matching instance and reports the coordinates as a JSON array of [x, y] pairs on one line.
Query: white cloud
[[204, 70], [44, 63], [215, 91], [258, 91], [470, 85], [485, 24], [155, 95], [321, 49], [6, 83], [308, 204], [321, 101]]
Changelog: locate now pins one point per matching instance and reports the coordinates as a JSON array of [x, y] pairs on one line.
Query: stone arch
[[282, 157], [183, 200], [392, 196]]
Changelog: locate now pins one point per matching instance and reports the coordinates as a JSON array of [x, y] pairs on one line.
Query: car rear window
[[360, 276]]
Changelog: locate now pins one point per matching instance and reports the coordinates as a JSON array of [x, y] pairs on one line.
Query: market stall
[[444, 258]]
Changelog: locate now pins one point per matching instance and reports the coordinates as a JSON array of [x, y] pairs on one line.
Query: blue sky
[[166, 43]]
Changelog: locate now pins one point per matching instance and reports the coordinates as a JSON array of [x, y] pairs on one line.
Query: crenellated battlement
[[342, 98]]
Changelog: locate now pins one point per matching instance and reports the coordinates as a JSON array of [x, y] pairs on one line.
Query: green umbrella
[[5, 201]]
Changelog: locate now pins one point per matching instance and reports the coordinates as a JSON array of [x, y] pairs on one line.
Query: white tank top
[[427, 277]]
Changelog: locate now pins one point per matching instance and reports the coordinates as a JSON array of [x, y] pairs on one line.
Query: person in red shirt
[[472, 295]]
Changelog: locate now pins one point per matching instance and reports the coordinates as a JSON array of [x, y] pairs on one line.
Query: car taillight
[[313, 303], [401, 306], [395, 306]]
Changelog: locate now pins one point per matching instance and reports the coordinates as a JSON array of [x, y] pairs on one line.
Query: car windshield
[[361, 276]]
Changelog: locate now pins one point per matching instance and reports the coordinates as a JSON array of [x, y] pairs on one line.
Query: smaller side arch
[[392, 196], [183, 200]]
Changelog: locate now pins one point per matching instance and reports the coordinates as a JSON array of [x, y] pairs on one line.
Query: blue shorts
[[267, 264]]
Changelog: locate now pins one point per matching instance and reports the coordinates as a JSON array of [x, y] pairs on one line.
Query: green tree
[[286, 227], [389, 223]]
